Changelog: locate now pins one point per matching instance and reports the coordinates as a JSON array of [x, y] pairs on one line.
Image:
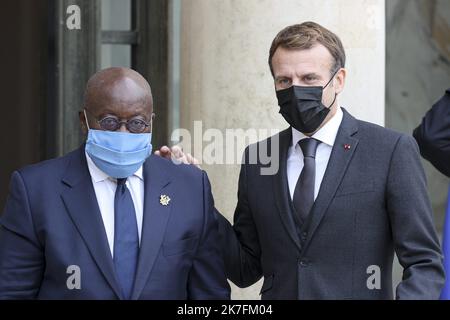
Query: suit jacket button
[[303, 263]]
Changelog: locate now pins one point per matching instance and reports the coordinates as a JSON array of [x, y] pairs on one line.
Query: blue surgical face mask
[[118, 154]]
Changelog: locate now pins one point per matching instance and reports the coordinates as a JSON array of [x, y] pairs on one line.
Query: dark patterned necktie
[[304, 190]]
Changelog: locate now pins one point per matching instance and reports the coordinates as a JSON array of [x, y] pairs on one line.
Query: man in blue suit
[[110, 220]]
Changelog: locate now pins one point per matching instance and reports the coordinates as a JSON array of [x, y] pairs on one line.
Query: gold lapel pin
[[164, 200]]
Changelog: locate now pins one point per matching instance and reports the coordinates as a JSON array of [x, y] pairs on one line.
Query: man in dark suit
[[433, 135], [347, 196], [110, 221]]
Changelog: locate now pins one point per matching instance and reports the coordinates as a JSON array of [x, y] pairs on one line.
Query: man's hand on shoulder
[[177, 155]]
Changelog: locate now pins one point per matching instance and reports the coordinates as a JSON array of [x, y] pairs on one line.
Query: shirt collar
[[98, 175], [327, 134]]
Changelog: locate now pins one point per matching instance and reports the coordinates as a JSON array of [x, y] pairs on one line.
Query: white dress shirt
[[326, 135], [105, 189]]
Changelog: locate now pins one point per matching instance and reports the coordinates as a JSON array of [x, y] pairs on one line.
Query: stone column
[[226, 82]]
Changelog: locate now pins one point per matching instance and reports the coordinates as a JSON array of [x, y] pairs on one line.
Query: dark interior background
[[23, 85], [45, 67]]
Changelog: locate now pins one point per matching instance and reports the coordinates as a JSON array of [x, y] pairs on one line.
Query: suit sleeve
[[414, 234], [433, 135], [207, 278], [21, 255], [240, 242]]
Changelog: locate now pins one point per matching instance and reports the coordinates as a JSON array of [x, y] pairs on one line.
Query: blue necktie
[[126, 238]]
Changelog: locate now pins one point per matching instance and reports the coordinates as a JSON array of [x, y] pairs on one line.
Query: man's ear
[[340, 80], [83, 125]]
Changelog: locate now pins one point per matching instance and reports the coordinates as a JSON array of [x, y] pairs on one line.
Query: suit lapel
[[156, 216], [81, 204], [337, 166], [281, 189]]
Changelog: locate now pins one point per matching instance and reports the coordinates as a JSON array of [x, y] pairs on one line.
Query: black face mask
[[302, 107]]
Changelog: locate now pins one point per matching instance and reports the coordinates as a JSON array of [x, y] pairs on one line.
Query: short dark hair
[[306, 35]]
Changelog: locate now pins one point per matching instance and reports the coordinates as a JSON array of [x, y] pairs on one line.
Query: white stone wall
[[418, 73], [226, 82]]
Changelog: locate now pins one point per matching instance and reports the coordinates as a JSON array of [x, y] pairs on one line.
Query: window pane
[[116, 14], [116, 55]]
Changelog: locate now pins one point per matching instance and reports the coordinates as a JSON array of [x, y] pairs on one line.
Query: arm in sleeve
[[433, 135], [21, 255], [207, 278], [240, 242], [414, 234]]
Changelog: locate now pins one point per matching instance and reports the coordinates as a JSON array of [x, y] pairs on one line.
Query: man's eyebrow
[[304, 75], [310, 74], [281, 77], [113, 113], [107, 111]]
